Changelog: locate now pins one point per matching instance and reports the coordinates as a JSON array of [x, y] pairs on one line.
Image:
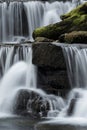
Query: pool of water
[[17, 123]]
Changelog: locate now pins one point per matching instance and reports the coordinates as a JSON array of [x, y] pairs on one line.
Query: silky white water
[[76, 60], [18, 72]]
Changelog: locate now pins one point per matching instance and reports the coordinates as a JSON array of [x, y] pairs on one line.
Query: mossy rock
[[76, 20], [52, 31], [74, 37], [43, 39]]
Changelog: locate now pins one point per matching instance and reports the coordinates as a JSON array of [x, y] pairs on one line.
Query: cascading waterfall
[[17, 70], [19, 19], [76, 60], [17, 22], [18, 74]]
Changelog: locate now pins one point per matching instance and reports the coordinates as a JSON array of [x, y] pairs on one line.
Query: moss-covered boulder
[[74, 37], [76, 20]]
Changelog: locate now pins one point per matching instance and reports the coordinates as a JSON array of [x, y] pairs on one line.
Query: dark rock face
[[48, 55], [52, 80], [51, 75]]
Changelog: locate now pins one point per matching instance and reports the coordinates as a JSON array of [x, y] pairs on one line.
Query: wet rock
[[52, 80], [32, 104], [48, 55], [51, 74], [38, 106], [22, 98], [71, 107]]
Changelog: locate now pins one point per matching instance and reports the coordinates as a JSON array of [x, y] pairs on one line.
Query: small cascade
[[76, 66], [17, 70], [76, 61], [19, 19]]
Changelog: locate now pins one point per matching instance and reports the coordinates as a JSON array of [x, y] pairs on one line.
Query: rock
[[38, 106], [31, 104], [52, 31], [43, 39], [51, 74], [48, 55], [52, 80], [71, 107], [76, 20], [22, 98], [74, 37]]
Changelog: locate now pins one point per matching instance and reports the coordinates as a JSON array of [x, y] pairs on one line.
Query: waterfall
[[17, 72], [76, 61], [19, 19], [17, 22]]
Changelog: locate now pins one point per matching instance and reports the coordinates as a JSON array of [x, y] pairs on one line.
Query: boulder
[[30, 103], [76, 20]]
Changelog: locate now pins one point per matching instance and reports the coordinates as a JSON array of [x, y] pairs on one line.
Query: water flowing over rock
[[19, 93]]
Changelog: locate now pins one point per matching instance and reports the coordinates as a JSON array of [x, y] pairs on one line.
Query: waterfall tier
[[76, 60], [19, 19]]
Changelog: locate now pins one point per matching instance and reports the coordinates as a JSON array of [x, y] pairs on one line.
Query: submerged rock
[[76, 20]]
